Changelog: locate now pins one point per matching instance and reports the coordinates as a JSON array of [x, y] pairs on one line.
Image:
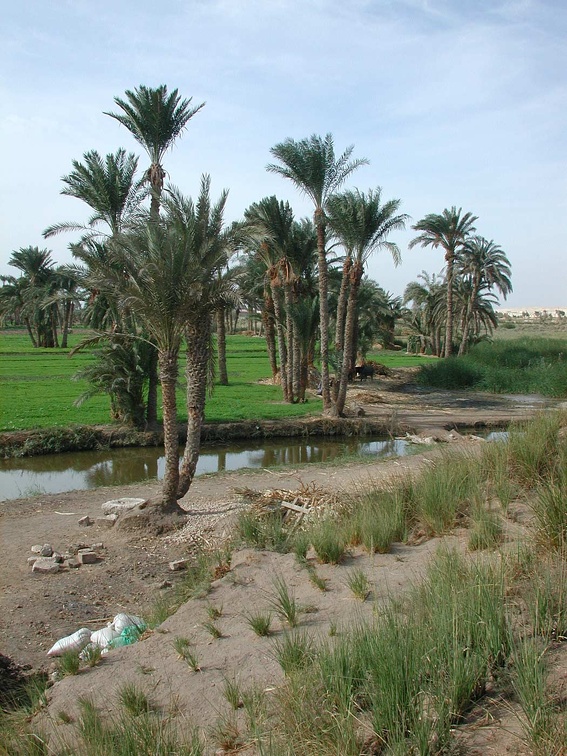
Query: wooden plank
[[295, 507]]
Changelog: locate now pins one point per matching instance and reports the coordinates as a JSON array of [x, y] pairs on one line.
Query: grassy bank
[[475, 629], [518, 366], [36, 390]]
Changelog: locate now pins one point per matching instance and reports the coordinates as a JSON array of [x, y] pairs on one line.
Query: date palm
[[449, 230], [155, 118], [312, 166], [485, 265], [362, 224], [109, 187], [167, 278]]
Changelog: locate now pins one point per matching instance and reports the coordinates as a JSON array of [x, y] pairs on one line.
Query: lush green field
[[36, 390], [516, 366]]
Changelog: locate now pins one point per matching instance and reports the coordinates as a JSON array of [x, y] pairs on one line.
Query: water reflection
[[56, 473]]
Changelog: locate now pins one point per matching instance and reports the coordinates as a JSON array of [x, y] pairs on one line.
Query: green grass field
[[36, 390]]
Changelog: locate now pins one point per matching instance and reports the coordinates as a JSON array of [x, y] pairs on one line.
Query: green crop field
[[37, 390]]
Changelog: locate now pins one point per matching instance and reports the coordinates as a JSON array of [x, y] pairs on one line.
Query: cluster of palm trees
[[451, 313], [155, 279]]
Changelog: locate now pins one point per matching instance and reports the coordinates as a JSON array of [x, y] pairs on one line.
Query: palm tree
[[428, 310], [450, 231], [311, 164], [361, 223], [109, 187], [167, 278], [33, 292], [485, 265], [268, 225], [155, 118]]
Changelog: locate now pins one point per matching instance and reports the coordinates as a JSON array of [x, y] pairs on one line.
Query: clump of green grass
[[293, 651], [260, 622], [225, 733], [533, 448], [529, 681], [486, 528], [69, 663], [133, 700], [137, 732], [283, 602], [378, 519], [549, 506], [183, 647], [264, 531], [329, 541], [359, 584], [318, 581], [232, 693], [213, 612], [546, 599], [213, 630]]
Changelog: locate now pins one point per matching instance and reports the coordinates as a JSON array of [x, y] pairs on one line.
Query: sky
[[454, 103]]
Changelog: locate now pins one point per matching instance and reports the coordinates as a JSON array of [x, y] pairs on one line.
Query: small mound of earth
[[366, 397]]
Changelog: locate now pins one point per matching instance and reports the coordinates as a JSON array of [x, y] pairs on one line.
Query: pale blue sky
[[454, 102]]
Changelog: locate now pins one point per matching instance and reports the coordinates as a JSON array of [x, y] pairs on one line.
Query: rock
[[32, 560], [36, 549], [45, 565], [356, 410], [178, 564], [108, 521], [97, 546], [86, 556], [72, 562], [117, 506], [57, 557], [46, 550], [85, 521]]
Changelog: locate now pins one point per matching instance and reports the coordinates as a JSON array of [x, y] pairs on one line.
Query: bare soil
[[133, 572]]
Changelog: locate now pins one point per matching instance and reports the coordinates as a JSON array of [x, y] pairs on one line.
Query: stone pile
[[46, 560]]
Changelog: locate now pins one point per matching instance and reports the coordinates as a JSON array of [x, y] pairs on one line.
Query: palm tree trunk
[[30, 332], [340, 324], [221, 346], [349, 332], [168, 374], [281, 340], [198, 338], [268, 316], [449, 324], [323, 308], [68, 316], [292, 394], [153, 380]]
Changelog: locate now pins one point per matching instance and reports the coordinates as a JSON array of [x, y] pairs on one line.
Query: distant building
[[535, 313]]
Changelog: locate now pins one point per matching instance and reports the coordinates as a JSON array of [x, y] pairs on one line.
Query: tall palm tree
[[361, 223], [155, 118], [486, 267], [167, 277], [428, 300], [312, 166], [450, 231], [268, 225]]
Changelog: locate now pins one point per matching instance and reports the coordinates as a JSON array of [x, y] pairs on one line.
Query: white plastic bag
[[103, 637], [121, 621], [75, 642]]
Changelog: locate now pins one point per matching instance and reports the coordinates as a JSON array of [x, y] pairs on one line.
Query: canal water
[[56, 473]]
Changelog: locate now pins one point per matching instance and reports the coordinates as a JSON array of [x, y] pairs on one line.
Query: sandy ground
[[133, 572]]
